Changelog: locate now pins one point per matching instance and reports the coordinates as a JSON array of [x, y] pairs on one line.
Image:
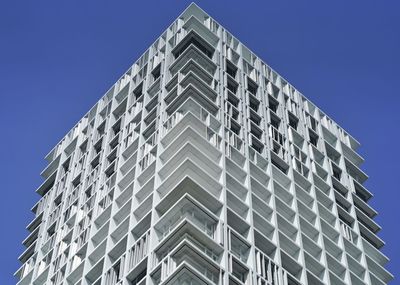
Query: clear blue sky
[[58, 57]]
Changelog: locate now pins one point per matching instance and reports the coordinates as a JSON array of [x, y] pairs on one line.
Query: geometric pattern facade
[[202, 165]]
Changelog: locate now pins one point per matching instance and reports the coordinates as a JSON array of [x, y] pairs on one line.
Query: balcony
[[188, 152], [367, 221], [363, 206], [47, 185], [188, 135], [205, 29], [206, 98], [351, 155], [194, 172], [192, 37], [138, 251], [355, 172], [191, 234], [186, 256], [190, 211], [194, 67], [372, 238], [378, 271], [191, 48], [189, 104], [25, 272]]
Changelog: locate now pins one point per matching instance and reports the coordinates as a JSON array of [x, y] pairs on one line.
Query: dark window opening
[[313, 123], [231, 69], [273, 104], [65, 166], [257, 146], [275, 122], [252, 86], [235, 128], [313, 139], [156, 73], [277, 165], [233, 100], [255, 118], [98, 146], [345, 221], [254, 104], [337, 173], [293, 122], [255, 132], [138, 91], [232, 86], [192, 40]]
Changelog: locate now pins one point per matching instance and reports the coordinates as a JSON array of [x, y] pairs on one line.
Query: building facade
[[202, 165]]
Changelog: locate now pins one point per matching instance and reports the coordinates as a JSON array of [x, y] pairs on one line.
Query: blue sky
[[58, 57]]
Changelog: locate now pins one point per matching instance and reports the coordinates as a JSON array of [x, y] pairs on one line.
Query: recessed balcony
[[175, 99], [378, 271], [194, 78], [188, 187], [371, 237], [189, 233], [193, 47], [191, 153], [374, 254], [184, 274], [315, 268], [47, 185], [351, 155], [355, 172], [194, 67], [187, 209], [310, 230], [337, 268], [186, 255], [190, 170], [334, 250], [367, 221], [189, 120], [189, 138], [193, 23]]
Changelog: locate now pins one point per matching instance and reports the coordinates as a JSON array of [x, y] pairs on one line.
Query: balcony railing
[[206, 227], [138, 251], [26, 268], [55, 214]]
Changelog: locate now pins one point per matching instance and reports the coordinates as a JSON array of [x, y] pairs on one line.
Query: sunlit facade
[[202, 165]]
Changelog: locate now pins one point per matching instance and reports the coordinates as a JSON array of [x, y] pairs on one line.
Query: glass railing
[[207, 227]]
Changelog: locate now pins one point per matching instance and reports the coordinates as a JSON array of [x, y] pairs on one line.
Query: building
[[202, 165]]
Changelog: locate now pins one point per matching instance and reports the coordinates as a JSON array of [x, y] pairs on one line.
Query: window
[[83, 148], [273, 104], [313, 139], [231, 69], [293, 121], [235, 128], [254, 118], [275, 122], [232, 86], [255, 132], [254, 104], [257, 146], [252, 86], [65, 166], [233, 100], [313, 123], [156, 73], [138, 91], [337, 173], [197, 42]]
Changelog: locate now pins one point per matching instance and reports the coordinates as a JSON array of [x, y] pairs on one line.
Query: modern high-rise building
[[202, 165]]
